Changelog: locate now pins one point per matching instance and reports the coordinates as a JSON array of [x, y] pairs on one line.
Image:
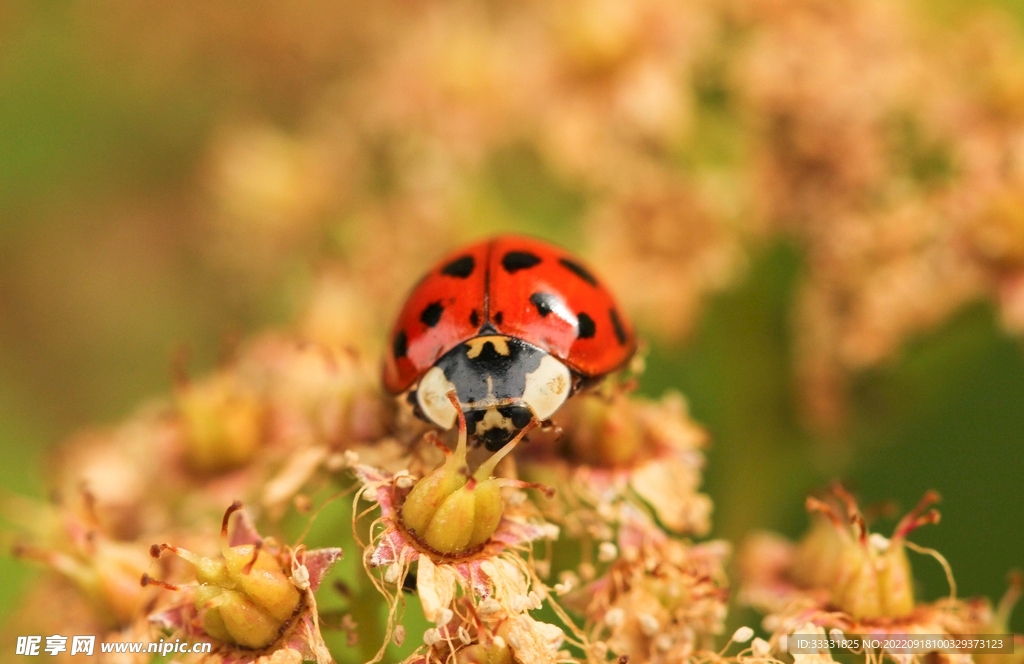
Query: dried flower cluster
[[680, 137], [480, 538], [616, 475], [841, 576]]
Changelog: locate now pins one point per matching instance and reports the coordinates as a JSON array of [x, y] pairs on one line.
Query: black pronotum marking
[[507, 373], [400, 345], [586, 326], [460, 267], [578, 270], [432, 314], [492, 378], [620, 333], [545, 303], [474, 318], [514, 261]]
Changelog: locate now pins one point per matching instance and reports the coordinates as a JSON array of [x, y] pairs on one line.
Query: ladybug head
[[502, 384]]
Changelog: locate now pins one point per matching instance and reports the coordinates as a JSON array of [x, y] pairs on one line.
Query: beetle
[[514, 326]]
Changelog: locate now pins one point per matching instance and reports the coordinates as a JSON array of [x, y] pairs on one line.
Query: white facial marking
[[432, 395], [547, 387]]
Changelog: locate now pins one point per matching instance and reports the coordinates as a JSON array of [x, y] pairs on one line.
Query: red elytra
[[524, 288]]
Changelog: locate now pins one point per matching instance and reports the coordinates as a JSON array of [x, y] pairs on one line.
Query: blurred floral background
[[814, 210]]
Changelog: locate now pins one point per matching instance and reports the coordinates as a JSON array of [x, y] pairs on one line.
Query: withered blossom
[[661, 600], [612, 450], [841, 576], [255, 602]]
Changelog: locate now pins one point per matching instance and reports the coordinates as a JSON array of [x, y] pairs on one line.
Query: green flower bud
[[496, 652], [222, 424], [244, 598], [428, 495]]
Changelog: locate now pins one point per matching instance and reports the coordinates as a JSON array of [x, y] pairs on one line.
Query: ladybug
[[514, 326]]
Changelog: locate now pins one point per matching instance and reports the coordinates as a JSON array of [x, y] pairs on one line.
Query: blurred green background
[[104, 272]]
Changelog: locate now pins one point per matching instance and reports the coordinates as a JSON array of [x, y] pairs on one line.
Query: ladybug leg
[[629, 385], [550, 426], [549, 492], [432, 437]]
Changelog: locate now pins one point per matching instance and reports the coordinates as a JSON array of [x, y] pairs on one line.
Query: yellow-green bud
[[262, 581], [428, 494], [606, 431], [230, 616], [452, 525], [222, 424], [487, 511], [870, 576], [244, 598]]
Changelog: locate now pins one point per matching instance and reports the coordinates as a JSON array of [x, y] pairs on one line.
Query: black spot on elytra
[[514, 261], [620, 333], [401, 344], [586, 326], [474, 318], [545, 303], [578, 270], [460, 267], [432, 314], [498, 317]]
